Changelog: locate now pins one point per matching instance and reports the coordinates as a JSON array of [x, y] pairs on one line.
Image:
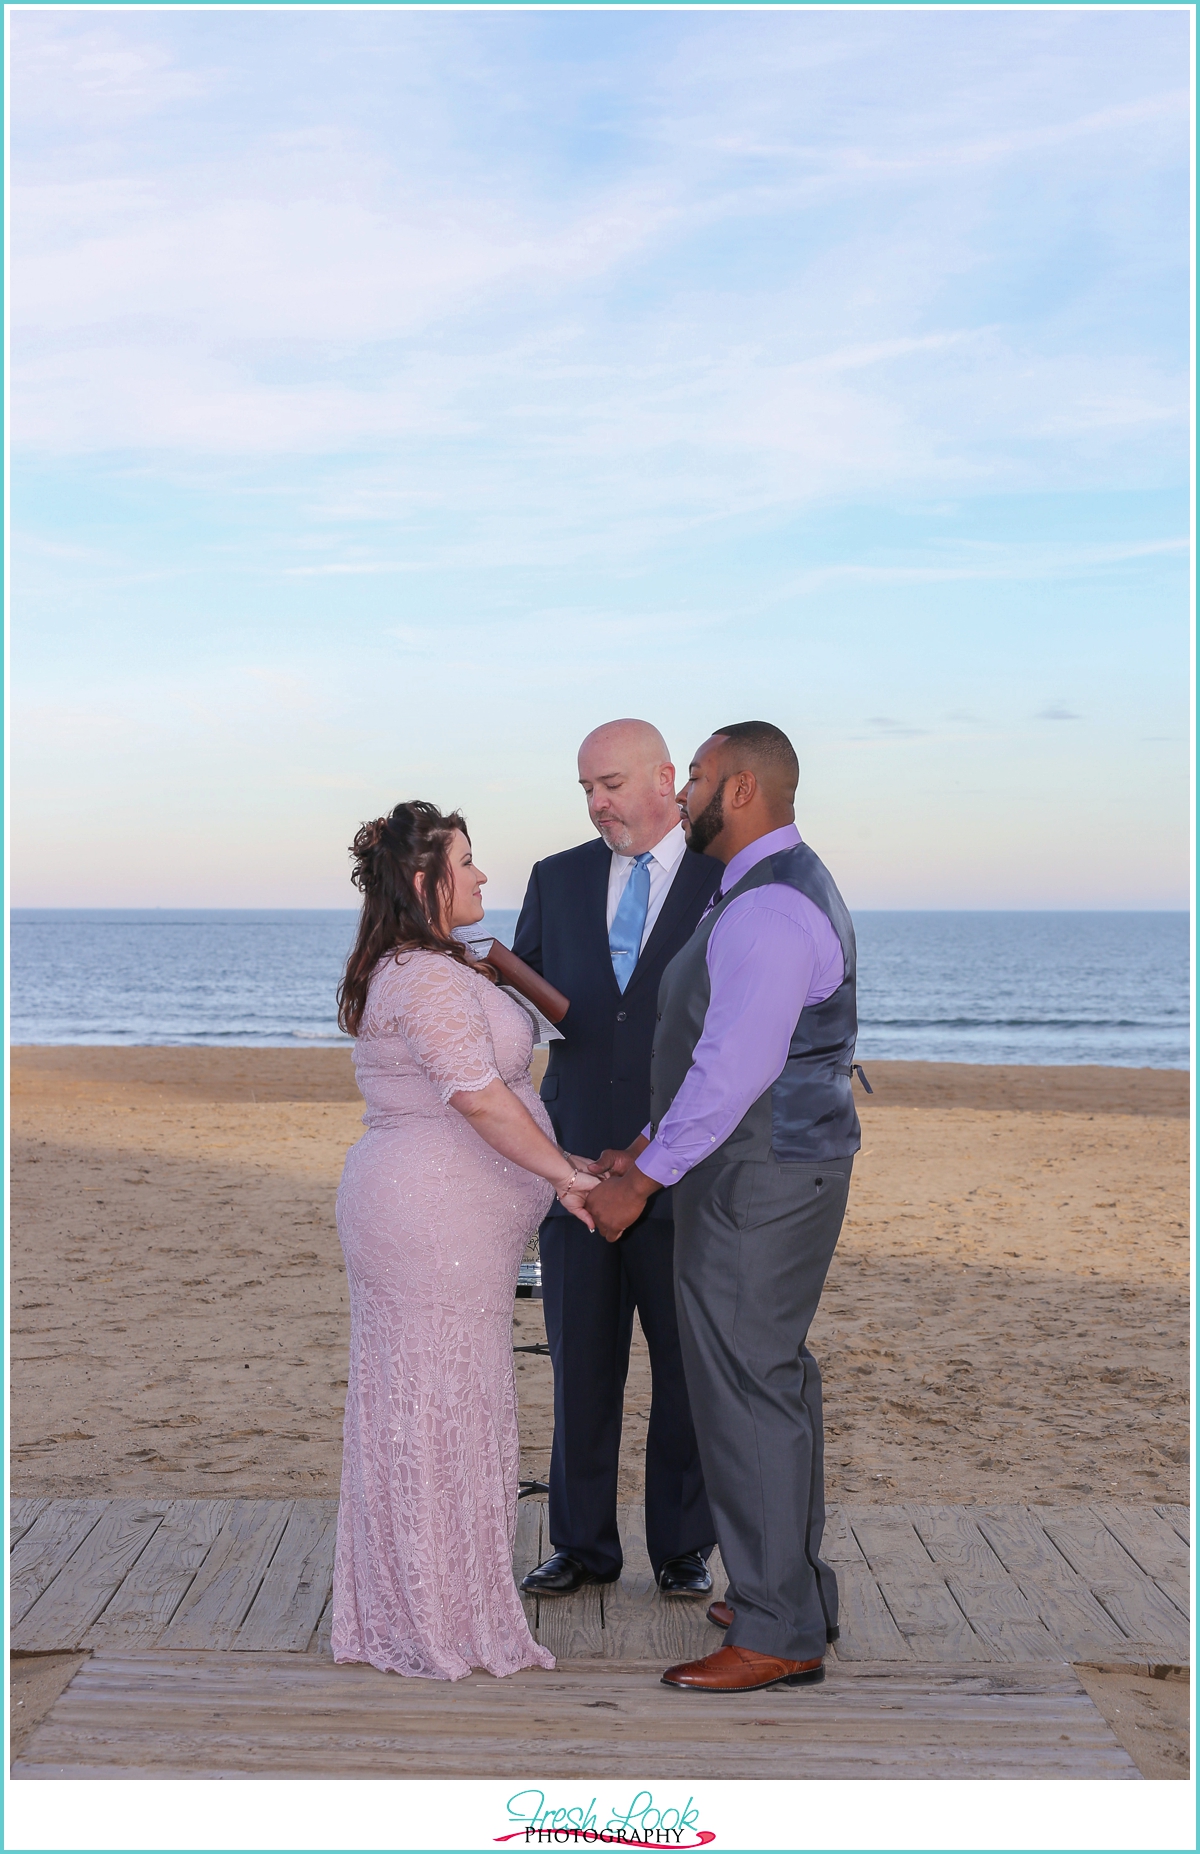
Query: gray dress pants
[[753, 1244]]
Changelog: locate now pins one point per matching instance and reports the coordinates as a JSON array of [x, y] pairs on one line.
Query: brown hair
[[389, 853]]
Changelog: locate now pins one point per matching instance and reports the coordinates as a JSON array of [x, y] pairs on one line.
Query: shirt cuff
[[661, 1165]]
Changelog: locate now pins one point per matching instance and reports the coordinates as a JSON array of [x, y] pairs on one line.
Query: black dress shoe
[[685, 1576], [561, 1574]]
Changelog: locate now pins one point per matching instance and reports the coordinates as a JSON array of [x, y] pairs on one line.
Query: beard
[[616, 835], [709, 825]]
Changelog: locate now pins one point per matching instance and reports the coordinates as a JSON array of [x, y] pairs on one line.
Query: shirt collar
[[785, 838], [668, 854]]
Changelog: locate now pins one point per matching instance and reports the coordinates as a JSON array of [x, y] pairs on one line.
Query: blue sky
[[396, 395]]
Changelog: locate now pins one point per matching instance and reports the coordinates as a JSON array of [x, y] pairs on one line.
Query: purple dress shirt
[[771, 953]]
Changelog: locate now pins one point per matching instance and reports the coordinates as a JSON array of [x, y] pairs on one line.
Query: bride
[[436, 1204]]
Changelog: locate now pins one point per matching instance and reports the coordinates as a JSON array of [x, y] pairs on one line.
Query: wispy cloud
[[896, 730], [493, 371]]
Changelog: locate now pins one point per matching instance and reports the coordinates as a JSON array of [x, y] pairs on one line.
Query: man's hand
[[614, 1163], [611, 1163], [618, 1201]]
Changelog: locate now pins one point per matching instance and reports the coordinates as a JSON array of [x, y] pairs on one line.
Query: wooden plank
[[839, 1545], [929, 1619], [227, 1583], [1003, 1618], [912, 1586], [572, 1627], [527, 1546], [321, 1641], [149, 1596], [297, 1584], [867, 1627], [21, 1515], [162, 1715], [1016, 1536], [639, 1623], [1082, 1627], [1083, 1630], [1086, 1543], [1150, 1540], [1146, 1617], [1154, 1626], [51, 1540], [889, 1541], [87, 1582], [1180, 1517], [1179, 1594], [954, 1542], [527, 1550]]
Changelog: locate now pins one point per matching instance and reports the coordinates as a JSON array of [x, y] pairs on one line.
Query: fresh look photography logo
[[641, 1823]]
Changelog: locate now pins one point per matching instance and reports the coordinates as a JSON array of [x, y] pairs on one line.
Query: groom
[[753, 1124], [601, 922]]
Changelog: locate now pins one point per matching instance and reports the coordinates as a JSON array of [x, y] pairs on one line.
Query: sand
[[1006, 1317]]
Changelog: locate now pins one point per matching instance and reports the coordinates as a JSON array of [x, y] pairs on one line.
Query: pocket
[[733, 1194]]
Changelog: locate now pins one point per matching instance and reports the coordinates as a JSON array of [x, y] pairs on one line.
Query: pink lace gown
[[433, 1223]]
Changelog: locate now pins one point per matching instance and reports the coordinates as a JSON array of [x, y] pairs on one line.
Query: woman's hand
[[573, 1196]]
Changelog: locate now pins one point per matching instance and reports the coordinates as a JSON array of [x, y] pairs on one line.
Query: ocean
[[1108, 988]]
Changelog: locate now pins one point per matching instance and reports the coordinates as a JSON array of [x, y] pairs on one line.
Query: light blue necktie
[[629, 921]]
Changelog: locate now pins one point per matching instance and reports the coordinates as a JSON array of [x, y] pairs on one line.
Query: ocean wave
[[1020, 1023]]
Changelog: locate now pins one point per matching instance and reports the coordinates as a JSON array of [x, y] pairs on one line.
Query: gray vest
[[808, 1114]]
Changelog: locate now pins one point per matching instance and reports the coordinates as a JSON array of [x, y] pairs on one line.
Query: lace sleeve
[[435, 1005]]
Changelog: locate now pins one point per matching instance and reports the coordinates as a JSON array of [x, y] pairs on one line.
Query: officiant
[[601, 922]]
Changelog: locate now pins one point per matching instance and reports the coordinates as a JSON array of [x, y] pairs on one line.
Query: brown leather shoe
[[741, 1670]]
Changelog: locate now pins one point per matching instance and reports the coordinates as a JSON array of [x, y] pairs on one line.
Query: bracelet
[[559, 1189]]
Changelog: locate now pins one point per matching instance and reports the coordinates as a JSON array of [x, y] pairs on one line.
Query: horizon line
[[318, 908]]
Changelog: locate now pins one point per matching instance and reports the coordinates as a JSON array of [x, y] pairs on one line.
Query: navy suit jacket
[[597, 1083]]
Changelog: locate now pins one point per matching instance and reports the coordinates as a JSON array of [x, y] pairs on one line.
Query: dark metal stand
[[530, 1288]]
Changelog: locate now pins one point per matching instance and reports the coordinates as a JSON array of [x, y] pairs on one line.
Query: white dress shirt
[[665, 859]]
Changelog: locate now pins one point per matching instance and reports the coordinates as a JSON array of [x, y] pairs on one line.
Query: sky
[[396, 395]]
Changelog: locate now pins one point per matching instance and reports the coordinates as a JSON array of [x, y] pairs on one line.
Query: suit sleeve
[[527, 941]]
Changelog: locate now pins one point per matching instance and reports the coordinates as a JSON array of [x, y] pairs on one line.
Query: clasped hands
[[612, 1188]]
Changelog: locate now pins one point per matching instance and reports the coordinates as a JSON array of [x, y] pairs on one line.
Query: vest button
[[620, 1017]]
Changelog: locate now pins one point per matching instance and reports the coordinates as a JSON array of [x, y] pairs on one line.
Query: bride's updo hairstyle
[[389, 853]]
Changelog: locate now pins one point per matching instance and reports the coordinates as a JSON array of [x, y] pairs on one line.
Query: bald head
[[629, 783], [638, 743]]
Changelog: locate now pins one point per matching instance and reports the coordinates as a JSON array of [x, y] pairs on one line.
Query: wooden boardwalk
[[169, 1715], [926, 1585], [207, 1627]]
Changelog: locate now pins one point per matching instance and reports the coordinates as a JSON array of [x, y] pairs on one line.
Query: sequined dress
[[433, 1223]]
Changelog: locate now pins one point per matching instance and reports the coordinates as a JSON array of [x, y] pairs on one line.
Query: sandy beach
[[1006, 1318]]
